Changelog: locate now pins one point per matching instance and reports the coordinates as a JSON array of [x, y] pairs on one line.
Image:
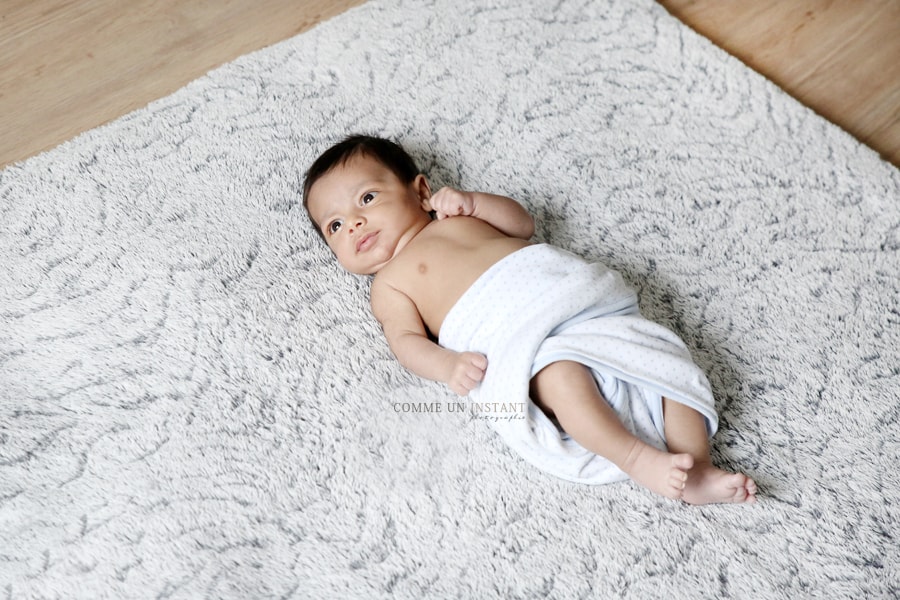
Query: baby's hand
[[468, 371], [449, 202]]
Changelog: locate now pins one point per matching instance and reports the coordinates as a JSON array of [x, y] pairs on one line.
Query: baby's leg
[[568, 391], [706, 484]]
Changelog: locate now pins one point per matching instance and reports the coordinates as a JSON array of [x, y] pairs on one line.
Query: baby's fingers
[[463, 385], [469, 372], [476, 366], [479, 360], [443, 211], [474, 375], [468, 384], [448, 202]]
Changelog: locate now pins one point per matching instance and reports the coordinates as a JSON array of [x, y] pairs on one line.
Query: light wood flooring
[[839, 57], [70, 65]]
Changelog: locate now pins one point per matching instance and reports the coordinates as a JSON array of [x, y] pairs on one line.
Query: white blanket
[[543, 304]]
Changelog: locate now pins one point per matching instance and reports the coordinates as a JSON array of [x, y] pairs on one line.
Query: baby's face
[[367, 214]]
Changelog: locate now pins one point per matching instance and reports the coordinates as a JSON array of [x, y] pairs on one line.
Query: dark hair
[[391, 155]]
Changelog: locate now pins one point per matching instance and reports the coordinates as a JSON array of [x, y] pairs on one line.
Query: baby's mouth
[[366, 242]]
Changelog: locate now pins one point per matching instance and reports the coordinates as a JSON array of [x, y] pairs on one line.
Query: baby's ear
[[424, 191]]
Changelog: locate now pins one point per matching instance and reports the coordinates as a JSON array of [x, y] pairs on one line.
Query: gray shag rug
[[196, 403]]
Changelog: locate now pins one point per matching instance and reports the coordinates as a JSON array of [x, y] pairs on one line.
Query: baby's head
[[366, 198]]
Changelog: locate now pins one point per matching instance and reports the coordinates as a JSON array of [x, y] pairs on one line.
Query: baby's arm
[[406, 335], [505, 214]]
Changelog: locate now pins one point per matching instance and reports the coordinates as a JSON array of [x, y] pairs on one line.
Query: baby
[[377, 213]]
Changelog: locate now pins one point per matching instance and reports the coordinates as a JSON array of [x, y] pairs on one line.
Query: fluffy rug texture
[[196, 402]]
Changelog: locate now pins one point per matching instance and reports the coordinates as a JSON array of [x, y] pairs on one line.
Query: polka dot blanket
[[543, 304]]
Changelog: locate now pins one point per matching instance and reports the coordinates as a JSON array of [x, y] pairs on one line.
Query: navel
[[423, 268]]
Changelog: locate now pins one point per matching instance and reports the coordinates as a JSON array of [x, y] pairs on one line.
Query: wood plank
[[839, 57], [70, 65]]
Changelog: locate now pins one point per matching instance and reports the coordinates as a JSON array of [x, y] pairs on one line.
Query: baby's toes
[[683, 462], [677, 482], [745, 488], [750, 486], [740, 495]]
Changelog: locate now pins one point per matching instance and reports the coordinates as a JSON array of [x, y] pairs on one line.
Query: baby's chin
[[363, 269], [375, 263]]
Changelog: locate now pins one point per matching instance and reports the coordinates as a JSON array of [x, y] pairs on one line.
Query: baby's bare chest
[[436, 271]]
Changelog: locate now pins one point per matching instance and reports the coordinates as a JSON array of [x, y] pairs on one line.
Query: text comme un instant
[[485, 410]]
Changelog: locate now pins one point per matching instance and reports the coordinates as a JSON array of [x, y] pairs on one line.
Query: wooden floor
[[839, 57], [70, 65]]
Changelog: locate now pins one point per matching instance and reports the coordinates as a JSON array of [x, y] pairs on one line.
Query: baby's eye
[[334, 226], [368, 197]]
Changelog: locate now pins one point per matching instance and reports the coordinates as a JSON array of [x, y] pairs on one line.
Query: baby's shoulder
[[390, 281]]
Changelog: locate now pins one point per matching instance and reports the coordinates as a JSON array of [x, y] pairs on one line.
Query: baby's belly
[[445, 277]]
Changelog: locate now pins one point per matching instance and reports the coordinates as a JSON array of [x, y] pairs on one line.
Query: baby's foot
[[707, 484], [660, 472]]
